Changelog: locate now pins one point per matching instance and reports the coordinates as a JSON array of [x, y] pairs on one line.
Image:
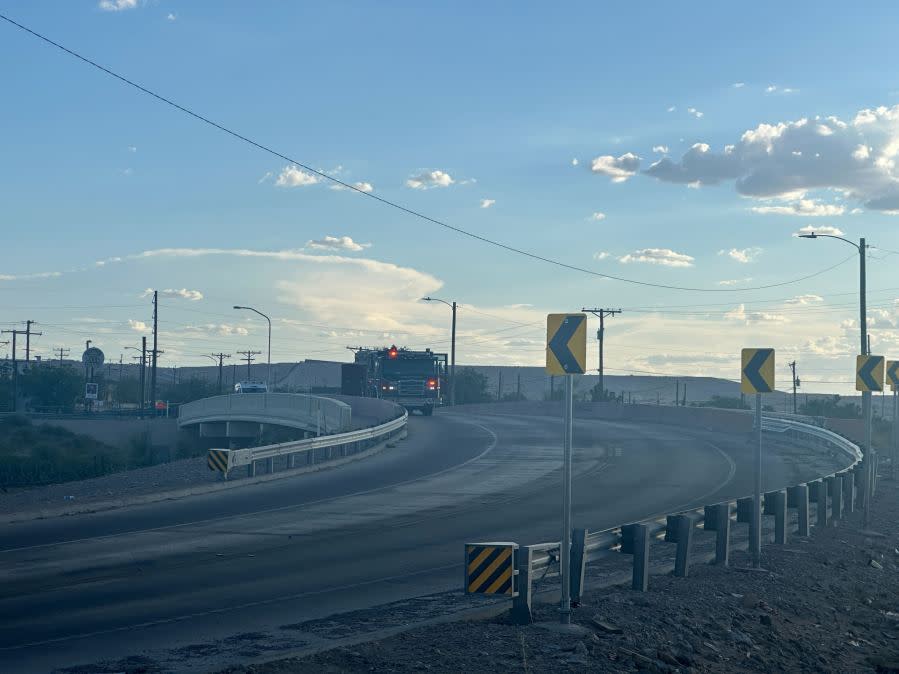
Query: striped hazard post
[[217, 459], [490, 568]]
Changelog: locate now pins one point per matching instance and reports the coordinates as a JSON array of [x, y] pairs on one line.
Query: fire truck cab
[[413, 379]]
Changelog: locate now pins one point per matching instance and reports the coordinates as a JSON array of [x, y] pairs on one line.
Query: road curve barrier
[[309, 452], [816, 502], [318, 414]]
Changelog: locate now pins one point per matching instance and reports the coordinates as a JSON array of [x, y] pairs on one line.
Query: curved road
[[90, 587]]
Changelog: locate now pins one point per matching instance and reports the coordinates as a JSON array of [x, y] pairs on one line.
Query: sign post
[[893, 379], [757, 376], [566, 354], [869, 371]]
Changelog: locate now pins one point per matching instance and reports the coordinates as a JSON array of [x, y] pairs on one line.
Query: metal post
[[565, 556], [722, 529], [453, 361], [684, 528], [868, 459], [802, 505], [640, 579], [143, 375], [781, 517], [755, 526]]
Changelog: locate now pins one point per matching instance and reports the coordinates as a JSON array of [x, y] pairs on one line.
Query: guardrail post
[[270, 464], [681, 528], [819, 496], [744, 510], [835, 487], [848, 491], [578, 562], [290, 460], [521, 603], [780, 516], [251, 468], [722, 531], [641, 557]]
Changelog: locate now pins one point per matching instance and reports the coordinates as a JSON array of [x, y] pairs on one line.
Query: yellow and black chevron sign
[[217, 459], [490, 568]]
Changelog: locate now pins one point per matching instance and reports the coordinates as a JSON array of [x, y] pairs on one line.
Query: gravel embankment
[[828, 603]]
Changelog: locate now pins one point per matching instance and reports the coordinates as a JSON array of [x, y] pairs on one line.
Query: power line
[[393, 204]]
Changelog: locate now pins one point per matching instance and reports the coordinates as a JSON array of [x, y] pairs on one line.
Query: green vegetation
[[41, 454], [722, 402], [471, 387], [831, 408]]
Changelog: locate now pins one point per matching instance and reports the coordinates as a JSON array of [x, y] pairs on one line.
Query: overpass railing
[[315, 413], [309, 452], [831, 494]]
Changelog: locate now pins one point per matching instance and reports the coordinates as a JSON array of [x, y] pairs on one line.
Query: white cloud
[[361, 186], [117, 5], [740, 314], [138, 326], [790, 158], [824, 229], [487, 203], [575, 162], [597, 216], [25, 277], [337, 243], [672, 108], [428, 179], [132, 148], [803, 207], [601, 255], [774, 89], [171, 293], [738, 85], [220, 329], [662, 256], [618, 169], [734, 281], [291, 176], [171, 16], [806, 299], [696, 113], [742, 255], [660, 149]]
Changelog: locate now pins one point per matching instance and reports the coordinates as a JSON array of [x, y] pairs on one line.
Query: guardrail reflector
[[490, 568], [217, 459]]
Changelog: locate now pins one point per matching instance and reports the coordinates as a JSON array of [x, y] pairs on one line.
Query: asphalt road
[[89, 587]]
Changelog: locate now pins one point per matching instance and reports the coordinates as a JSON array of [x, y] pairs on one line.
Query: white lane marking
[[236, 607], [490, 447]]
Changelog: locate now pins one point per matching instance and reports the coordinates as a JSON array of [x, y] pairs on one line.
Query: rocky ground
[[827, 603]]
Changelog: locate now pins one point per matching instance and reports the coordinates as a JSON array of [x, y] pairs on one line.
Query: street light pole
[[269, 373], [452, 306], [864, 350]]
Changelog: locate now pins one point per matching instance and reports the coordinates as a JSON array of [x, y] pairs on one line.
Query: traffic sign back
[[566, 343], [869, 373], [757, 371], [893, 374]]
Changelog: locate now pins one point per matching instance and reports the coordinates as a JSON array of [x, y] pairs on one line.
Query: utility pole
[[684, 404], [518, 390], [28, 334], [62, 353], [221, 357], [248, 356], [499, 387], [155, 352], [15, 366], [795, 383], [676, 392], [600, 336]]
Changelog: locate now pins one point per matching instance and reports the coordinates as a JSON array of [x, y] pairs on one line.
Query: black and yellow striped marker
[[490, 568], [217, 459]]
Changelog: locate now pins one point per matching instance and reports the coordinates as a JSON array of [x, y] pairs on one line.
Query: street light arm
[[436, 299], [256, 311], [814, 235]]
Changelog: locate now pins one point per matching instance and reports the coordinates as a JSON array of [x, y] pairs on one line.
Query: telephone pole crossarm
[[600, 337]]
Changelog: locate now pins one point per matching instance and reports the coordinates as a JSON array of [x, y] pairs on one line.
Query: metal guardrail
[[311, 451], [831, 493]]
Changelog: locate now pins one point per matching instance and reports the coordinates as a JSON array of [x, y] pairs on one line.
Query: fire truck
[[413, 379]]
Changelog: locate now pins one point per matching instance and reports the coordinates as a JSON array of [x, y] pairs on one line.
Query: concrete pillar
[[578, 562], [684, 524], [722, 529], [802, 506], [780, 516], [820, 497], [835, 487], [521, 605], [640, 580], [848, 491]]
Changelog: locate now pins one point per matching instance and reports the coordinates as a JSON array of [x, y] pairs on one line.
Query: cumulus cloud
[[696, 113], [575, 162], [138, 326], [183, 293], [362, 186], [734, 281], [660, 149], [487, 203], [742, 255], [618, 169], [662, 256], [117, 5], [171, 16], [824, 229], [337, 243], [672, 108], [789, 158], [774, 89], [806, 299], [601, 255], [597, 216], [739, 313], [291, 176], [738, 85], [220, 329], [808, 207], [428, 179]]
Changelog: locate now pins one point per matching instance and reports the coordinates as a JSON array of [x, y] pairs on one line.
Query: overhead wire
[[393, 204]]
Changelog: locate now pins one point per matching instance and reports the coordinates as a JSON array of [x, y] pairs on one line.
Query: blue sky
[[441, 108]]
